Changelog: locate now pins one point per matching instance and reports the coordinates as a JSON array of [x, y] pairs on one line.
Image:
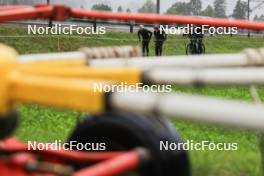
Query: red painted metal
[[12, 145], [166, 19], [14, 7], [17, 156], [61, 13], [115, 166], [14, 155], [43, 12]]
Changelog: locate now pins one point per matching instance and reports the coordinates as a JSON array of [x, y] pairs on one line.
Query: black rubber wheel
[[126, 131], [8, 124]]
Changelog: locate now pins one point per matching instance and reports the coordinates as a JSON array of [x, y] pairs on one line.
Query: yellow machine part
[[59, 63], [66, 93], [128, 75], [56, 84], [7, 63]]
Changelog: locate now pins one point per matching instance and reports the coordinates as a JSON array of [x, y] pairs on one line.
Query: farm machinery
[[131, 124]]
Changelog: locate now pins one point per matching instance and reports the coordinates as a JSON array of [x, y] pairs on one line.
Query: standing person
[[196, 40], [144, 35], [160, 37], [199, 38]]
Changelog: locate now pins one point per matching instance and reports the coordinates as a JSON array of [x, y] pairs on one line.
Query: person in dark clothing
[[160, 38], [144, 36], [196, 37], [199, 40]]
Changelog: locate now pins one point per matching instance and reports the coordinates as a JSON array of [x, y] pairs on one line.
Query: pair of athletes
[[144, 36], [195, 34]]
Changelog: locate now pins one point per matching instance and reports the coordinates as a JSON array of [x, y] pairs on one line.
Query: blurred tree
[[120, 9], [148, 7], [26, 2], [208, 11], [101, 7], [256, 18], [259, 18], [29, 2], [220, 8], [180, 8], [240, 10], [195, 7], [128, 10]]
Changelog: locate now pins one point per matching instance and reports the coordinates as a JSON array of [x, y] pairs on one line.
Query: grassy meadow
[[47, 124]]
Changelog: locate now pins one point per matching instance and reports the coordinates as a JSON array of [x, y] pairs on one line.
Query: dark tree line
[[218, 9], [105, 7], [101, 6], [194, 7], [14, 2], [259, 18]]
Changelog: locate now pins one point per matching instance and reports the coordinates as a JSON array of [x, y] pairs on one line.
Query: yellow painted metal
[[128, 75], [63, 84], [66, 93], [7, 64], [58, 63]]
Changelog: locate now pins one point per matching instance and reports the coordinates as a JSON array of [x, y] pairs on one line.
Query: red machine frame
[[61, 13], [22, 162]]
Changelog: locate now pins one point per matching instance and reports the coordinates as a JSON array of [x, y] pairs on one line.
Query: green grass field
[[46, 125]]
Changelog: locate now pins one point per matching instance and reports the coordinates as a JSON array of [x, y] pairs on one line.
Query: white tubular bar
[[112, 52], [85, 53], [198, 61], [250, 57], [219, 76], [223, 112], [77, 55]]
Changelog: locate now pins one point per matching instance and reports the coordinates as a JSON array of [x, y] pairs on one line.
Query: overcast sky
[[165, 4]]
